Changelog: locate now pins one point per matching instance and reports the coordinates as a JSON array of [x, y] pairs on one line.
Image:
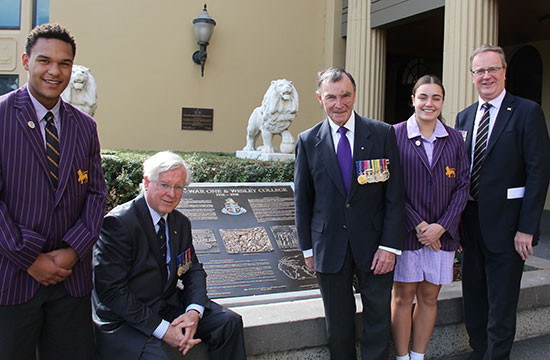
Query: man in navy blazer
[[149, 294], [508, 190], [49, 219], [350, 222]]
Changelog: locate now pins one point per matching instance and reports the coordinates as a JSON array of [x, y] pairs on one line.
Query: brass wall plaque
[[197, 119]]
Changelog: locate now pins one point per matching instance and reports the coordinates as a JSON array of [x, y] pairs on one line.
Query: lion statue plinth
[[278, 110], [82, 90]]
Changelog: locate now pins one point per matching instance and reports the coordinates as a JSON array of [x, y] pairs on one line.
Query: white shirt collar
[[154, 215], [496, 102], [350, 124], [41, 109]]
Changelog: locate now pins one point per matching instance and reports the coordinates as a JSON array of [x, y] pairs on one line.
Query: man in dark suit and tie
[[149, 294], [507, 141], [52, 202], [350, 215]]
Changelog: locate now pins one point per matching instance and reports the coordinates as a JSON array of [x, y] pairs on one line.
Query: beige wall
[[19, 38], [140, 54]]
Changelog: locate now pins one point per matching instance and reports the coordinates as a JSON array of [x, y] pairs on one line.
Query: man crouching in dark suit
[[350, 215], [149, 295], [507, 140]]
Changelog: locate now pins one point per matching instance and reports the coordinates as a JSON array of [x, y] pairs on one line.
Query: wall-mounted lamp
[[204, 25]]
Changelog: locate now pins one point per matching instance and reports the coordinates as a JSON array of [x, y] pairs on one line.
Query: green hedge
[[123, 171]]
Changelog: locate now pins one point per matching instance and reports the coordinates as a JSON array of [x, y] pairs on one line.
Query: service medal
[[362, 167]]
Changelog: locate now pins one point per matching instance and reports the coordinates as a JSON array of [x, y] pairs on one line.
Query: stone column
[[366, 60], [468, 24]]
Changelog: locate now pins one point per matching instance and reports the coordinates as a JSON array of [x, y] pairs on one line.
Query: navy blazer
[[328, 220], [33, 217], [436, 193], [518, 155], [131, 296]]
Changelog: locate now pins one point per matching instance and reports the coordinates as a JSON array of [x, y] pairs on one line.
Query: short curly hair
[[49, 31]]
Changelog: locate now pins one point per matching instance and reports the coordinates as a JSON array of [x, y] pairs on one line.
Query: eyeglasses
[[491, 70], [168, 187]]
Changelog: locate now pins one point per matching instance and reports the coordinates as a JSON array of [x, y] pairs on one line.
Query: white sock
[[404, 357], [416, 356]]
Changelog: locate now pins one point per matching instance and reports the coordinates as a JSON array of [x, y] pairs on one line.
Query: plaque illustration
[[285, 236], [205, 242], [231, 207], [252, 240], [294, 268]]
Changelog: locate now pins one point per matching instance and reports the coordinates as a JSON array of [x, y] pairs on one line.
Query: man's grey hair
[[487, 47], [164, 161], [333, 74]]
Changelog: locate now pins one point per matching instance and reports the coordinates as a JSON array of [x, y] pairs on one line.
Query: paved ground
[[531, 349], [535, 348]]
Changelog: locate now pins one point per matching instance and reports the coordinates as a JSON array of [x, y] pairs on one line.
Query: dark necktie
[[52, 148], [343, 152], [480, 149], [161, 235]]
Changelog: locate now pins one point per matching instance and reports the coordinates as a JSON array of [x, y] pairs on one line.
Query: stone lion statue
[[82, 90], [273, 117]]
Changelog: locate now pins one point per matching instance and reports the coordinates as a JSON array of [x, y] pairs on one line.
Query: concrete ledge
[[260, 155], [290, 328]]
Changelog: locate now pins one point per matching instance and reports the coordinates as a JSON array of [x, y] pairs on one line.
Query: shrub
[[123, 171]]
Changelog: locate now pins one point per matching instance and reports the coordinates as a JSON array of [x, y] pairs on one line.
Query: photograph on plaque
[[205, 242], [245, 236], [242, 241], [286, 237]]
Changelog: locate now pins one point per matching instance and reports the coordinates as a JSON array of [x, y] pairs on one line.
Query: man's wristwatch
[[197, 311]]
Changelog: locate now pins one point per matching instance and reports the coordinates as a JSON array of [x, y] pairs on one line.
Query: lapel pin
[[362, 148], [31, 124], [509, 109], [417, 142]]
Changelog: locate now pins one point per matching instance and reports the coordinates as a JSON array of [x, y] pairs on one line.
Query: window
[[8, 83], [10, 16], [40, 12]]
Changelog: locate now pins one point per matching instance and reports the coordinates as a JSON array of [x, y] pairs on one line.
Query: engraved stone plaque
[[244, 234]]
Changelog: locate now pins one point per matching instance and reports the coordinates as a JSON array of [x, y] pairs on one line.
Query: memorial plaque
[[197, 119], [244, 234]]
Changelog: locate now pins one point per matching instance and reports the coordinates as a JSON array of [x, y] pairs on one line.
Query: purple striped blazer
[[34, 218], [435, 194]]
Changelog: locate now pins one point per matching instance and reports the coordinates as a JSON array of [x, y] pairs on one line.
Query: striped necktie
[[52, 148], [480, 148], [161, 236]]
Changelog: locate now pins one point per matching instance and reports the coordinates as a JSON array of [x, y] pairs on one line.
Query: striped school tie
[[161, 236], [479, 150], [52, 148]]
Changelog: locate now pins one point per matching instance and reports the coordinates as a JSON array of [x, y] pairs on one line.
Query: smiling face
[[428, 101], [161, 194], [488, 86], [337, 98], [49, 66]]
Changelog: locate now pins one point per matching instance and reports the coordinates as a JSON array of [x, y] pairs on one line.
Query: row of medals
[[369, 176]]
